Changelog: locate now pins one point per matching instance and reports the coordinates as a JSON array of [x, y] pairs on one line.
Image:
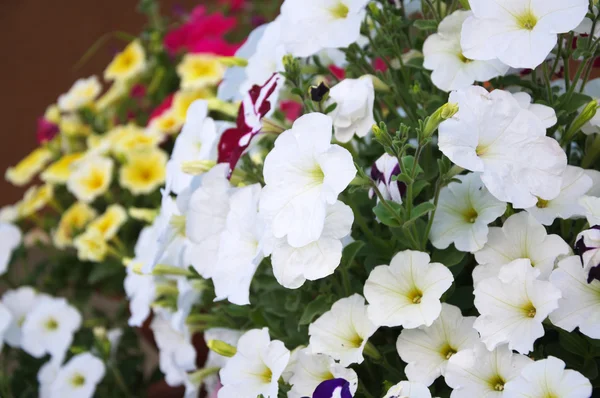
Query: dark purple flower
[[328, 388], [587, 248], [382, 172], [46, 130]]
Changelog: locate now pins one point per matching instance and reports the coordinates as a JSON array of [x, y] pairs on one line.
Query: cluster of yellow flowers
[[98, 171]]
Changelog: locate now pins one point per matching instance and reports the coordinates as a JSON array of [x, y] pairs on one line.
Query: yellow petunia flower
[[72, 126], [59, 171], [27, 168], [36, 198], [90, 246], [199, 71], [91, 178], [184, 98], [136, 140], [52, 114], [72, 222], [144, 172], [167, 123], [128, 64], [81, 94], [109, 223]]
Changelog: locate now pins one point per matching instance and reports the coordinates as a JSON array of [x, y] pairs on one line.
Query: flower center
[[316, 174], [339, 11], [464, 59], [266, 376], [527, 20], [415, 296], [96, 180], [542, 203], [481, 150], [356, 341], [51, 324], [447, 351], [78, 380], [497, 383], [470, 216], [529, 310], [178, 224]]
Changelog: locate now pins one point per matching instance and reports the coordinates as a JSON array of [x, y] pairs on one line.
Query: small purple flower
[[334, 388], [382, 172], [587, 247]]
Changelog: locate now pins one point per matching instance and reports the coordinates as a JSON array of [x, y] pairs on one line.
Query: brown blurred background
[[41, 42]]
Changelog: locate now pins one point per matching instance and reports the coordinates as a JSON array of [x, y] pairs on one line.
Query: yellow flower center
[[529, 310], [527, 20], [355, 341], [339, 11], [497, 383], [178, 224], [317, 174], [95, 180], [78, 380], [542, 203], [464, 59], [51, 324], [415, 295], [470, 216], [266, 376], [447, 351]]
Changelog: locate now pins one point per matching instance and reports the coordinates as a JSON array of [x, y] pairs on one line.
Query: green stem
[[120, 381]]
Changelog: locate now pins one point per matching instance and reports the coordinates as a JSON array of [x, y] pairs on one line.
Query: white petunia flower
[[521, 33], [354, 111], [513, 306], [78, 378], [575, 183], [382, 171], [427, 350], [6, 319], [313, 369], [214, 360], [304, 173], [255, 368], [292, 266], [239, 252], [19, 302], [580, 302], [407, 292], [10, 239], [522, 236], [49, 328], [548, 378], [546, 114], [463, 213], [591, 208], [444, 56], [478, 372], [46, 376], [343, 331], [408, 389], [314, 25], [493, 134]]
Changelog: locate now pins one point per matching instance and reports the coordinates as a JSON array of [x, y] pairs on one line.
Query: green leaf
[[449, 257], [405, 178], [421, 210], [330, 108], [573, 343], [426, 24], [103, 271], [314, 309], [385, 216], [350, 252], [577, 101], [418, 186], [407, 165]]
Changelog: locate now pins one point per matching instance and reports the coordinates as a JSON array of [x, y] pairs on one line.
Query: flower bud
[[221, 348], [198, 376], [588, 112], [163, 269], [444, 112], [197, 167], [378, 84], [233, 61], [319, 93], [465, 4], [143, 214], [375, 11]]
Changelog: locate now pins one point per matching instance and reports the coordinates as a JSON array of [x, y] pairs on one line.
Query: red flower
[[46, 130], [380, 65], [202, 33], [291, 109], [254, 107], [164, 106], [337, 72], [138, 91], [234, 5]]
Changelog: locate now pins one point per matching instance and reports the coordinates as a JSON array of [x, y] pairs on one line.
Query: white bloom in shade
[[6, 319], [575, 184], [197, 141], [513, 306], [463, 213], [239, 251], [591, 207], [548, 378], [303, 173], [177, 355], [493, 134], [427, 350], [521, 33], [78, 378], [10, 239], [408, 389], [46, 376], [407, 292], [255, 368], [343, 331], [206, 218], [546, 114], [444, 56], [580, 302], [292, 266], [314, 25], [383, 170], [480, 373], [313, 369], [214, 360], [354, 111], [82, 93], [522, 236], [19, 302], [49, 328]]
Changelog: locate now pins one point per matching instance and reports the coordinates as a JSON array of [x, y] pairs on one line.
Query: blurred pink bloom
[[291, 109], [46, 130], [160, 109]]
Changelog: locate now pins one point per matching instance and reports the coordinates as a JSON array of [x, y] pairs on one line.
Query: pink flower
[[254, 107], [46, 130], [138, 91], [291, 109], [164, 106], [202, 33], [338, 72]]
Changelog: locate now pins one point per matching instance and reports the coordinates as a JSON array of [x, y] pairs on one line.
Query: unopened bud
[[136, 267], [99, 332], [163, 269], [221, 348], [465, 4], [319, 93], [588, 112], [375, 11], [233, 61], [382, 135], [378, 84], [444, 112], [198, 376], [197, 167]]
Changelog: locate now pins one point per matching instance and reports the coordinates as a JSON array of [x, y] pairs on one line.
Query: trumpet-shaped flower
[[304, 173], [588, 247], [408, 389], [91, 178], [546, 114], [513, 306], [28, 167], [548, 378], [313, 369], [382, 171], [83, 93], [463, 213], [20, 302], [427, 350], [128, 64], [522, 236], [78, 378], [493, 134], [580, 302], [353, 114], [520, 33], [478, 372], [91, 246], [214, 360], [314, 25], [591, 208], [144, 172], [255, 368], [292, 266], [343, 331], [109, 223], [10, 239], [72, 222], [444, 56], [59, 171], [199, 71], [407, 292]]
